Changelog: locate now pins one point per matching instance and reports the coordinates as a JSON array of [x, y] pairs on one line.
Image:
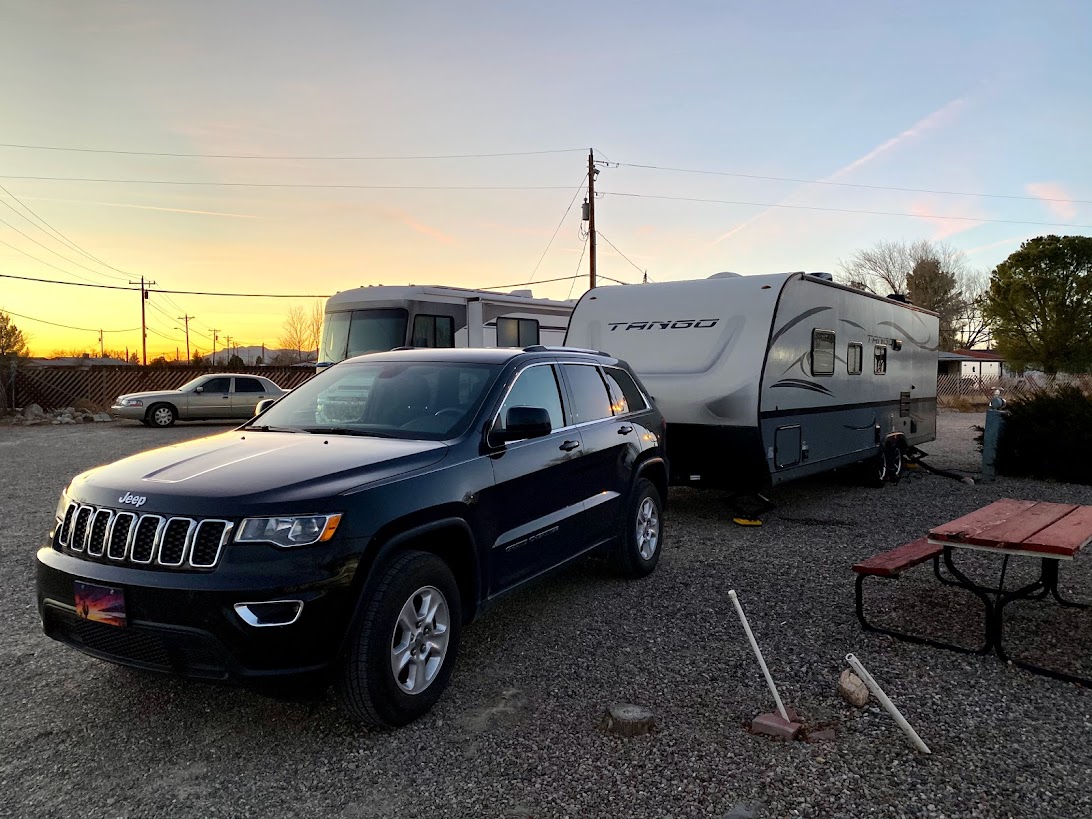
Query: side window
[[854, 358], [822, 352], [220, 385], [881, 359], [248, 385], [591, 401], [535, 387], [625, 396], [433, 331], [513, 332]]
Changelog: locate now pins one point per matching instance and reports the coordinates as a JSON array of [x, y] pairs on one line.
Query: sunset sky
[[977, 98]]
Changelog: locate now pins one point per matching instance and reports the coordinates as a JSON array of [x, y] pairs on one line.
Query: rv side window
[[822, 352], [624, 395], [513, 332], [855, 358], [433, 331], [881, 359]]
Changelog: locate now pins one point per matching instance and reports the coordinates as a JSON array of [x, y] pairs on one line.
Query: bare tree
[[296, 331], [971, 325], [315, 321], [885, 267]]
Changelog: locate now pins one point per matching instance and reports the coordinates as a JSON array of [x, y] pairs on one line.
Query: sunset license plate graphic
[[100, 604]]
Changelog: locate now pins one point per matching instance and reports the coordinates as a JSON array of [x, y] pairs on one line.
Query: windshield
[[193, 382], [346, 334], [428, 400]]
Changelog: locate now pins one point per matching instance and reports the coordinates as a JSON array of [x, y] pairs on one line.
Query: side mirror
[[524, 422], [263, 405], [198, 390]]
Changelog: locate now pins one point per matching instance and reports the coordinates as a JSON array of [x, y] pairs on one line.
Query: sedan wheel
[[162, 415]]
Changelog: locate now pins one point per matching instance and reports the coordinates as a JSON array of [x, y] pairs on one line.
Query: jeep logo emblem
[[135, 500]]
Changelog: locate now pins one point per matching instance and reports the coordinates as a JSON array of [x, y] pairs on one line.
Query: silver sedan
[[213, 396]]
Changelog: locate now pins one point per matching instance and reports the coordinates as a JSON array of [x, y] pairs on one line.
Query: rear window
[[591, 401], [625, 396]]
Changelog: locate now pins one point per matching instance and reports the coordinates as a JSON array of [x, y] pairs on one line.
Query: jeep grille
[[107, 535]]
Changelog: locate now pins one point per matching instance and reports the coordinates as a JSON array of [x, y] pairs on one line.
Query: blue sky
[[967, 97]]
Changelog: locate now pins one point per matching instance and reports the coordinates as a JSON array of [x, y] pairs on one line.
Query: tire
[[894, 460], [161, 415], [638, 552], [370, 689]]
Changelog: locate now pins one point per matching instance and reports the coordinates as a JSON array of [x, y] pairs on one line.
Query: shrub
[[1048, 435]]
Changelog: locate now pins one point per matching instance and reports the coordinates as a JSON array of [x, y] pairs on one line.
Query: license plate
[[100, 604]]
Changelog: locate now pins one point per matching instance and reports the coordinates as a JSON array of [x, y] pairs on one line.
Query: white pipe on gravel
[[874, 687], [758, 654]]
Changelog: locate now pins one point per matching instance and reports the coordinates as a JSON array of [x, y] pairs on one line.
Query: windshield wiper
[[346, 431], [268, 428]]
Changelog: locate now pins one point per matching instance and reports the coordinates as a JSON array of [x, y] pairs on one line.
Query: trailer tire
[[894, 453]]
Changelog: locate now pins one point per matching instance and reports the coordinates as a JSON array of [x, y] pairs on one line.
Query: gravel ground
[[516, 735]]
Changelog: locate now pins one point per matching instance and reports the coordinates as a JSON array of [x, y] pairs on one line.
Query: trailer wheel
[[894, 459]]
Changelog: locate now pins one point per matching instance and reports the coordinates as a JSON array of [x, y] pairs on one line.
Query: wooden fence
[[96, 386], [975, 393]]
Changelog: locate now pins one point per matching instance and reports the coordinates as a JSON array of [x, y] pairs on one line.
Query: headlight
[[298, 530], [130, 402], [62, 505]]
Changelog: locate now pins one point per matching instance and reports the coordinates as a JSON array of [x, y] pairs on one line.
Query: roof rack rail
[[403, 347], [543, 348]]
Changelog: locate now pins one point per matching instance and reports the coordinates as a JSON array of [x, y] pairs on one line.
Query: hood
[[249, 472], [150, 394]]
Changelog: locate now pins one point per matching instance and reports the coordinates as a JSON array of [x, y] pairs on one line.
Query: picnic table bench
[[1052, 532]]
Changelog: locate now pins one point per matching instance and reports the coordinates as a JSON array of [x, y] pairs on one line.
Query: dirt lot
[[516, 733]]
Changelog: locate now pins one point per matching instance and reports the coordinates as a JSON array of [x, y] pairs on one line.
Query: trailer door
[[787, 443]]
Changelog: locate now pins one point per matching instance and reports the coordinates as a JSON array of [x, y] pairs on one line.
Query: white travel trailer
[[763, 379], [379, 318]]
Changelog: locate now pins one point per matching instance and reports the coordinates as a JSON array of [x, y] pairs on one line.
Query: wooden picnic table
[[1052, 532]]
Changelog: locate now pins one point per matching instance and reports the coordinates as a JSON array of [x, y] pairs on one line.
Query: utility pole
[[591, 217], [102, 350], [187, 320], [228, 345], [143, 324], [215, 335]]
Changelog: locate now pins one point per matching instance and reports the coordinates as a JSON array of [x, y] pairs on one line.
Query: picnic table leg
[[1050, 580], [1047, 584]]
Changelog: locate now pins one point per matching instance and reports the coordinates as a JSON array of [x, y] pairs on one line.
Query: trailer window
[[517, 332], [822, 352], [881, 359], [855, 358], [433, 331]]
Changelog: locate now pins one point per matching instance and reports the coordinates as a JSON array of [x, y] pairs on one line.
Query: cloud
[[931, 121], [1053, 195], [950, 223], [426, 230], [993, 245]]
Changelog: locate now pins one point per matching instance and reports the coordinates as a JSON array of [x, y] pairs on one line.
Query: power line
[[280, 157], [50, 265], [54, 252], [840, 210], [70, 327], [295, 184], [156, 290], [851, 184], [576, 275], [57, 234], [576, 193], [620, 253]]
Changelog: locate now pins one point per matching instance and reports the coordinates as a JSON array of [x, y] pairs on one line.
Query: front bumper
[[185, 622], [132, 413]]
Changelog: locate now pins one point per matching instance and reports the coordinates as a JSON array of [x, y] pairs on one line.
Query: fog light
[[270, 613]]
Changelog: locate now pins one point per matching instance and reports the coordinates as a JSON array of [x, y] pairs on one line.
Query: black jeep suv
[[352, 529]]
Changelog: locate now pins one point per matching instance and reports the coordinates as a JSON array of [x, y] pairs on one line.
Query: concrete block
[[772, 725]]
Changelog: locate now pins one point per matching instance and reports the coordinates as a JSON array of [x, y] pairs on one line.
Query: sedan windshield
[[421, 400], [193, 382]]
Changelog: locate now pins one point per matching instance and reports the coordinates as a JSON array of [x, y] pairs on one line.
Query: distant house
[[985, 365], [79, 361]]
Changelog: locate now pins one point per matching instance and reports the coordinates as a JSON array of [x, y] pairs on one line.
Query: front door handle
[[625, 429], [569, 446]]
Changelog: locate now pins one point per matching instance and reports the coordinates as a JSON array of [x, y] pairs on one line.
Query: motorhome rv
[[764, 379], [382, 317]]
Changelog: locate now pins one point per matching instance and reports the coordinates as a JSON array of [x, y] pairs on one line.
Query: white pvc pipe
[[874, 687], [758, 654]]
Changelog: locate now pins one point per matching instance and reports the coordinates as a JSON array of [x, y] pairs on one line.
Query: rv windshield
[[346, 334]]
